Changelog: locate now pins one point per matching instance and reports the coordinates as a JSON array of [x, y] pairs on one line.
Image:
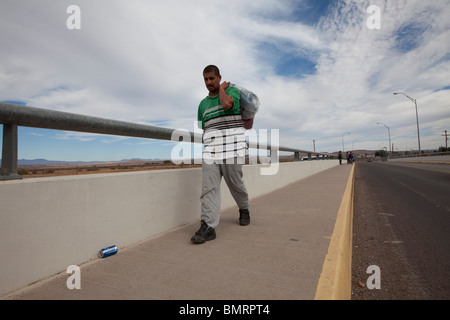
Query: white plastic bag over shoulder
[[249, 102]]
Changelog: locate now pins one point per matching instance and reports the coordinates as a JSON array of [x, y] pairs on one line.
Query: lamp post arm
[[412, 99], [417, 118]]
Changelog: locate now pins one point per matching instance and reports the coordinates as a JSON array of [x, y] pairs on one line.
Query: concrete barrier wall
[[48, 224]]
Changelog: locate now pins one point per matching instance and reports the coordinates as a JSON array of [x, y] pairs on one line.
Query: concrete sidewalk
[[278, 256]]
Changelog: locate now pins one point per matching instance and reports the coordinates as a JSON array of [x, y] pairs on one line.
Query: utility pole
[[446, 139]]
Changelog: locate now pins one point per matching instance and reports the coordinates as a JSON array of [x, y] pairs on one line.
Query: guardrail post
[[9, 153]]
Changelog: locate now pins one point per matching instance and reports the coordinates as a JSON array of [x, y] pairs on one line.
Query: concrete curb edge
[[335, 279]]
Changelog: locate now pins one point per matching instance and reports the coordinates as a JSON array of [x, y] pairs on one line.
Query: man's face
[[212, 82]]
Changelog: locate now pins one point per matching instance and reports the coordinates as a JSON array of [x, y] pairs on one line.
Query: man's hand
[[247, 123], [224, 85], [226, 101]]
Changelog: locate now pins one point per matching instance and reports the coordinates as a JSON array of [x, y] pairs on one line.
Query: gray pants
[[210, 199]]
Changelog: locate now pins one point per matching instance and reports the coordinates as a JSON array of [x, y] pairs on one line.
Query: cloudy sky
[[320, 68]]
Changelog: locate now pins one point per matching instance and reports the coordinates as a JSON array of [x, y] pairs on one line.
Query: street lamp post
[[389, 133], [417, 117], [343, 148]]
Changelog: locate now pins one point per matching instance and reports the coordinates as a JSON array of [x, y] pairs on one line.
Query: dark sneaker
[[205, 233], [244, 217]]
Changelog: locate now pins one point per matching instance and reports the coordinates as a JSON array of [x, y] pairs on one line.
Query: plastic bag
[[249, 102]]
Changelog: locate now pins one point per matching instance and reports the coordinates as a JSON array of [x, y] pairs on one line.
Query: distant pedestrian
[[340, 157], [351, 158], [219, 115]]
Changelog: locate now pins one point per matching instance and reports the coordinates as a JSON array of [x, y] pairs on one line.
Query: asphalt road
[[401, 224]]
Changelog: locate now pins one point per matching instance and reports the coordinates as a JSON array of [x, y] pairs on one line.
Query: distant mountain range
[[27, 162]]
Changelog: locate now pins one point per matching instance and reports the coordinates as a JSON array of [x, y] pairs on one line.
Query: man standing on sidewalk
[[219, 115]]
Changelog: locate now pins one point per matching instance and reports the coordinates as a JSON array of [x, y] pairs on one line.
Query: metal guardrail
[[12, 116], [417, 155]]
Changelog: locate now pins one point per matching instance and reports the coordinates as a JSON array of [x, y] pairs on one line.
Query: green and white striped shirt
[[223, 135]]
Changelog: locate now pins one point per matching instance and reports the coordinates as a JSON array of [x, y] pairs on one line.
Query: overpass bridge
[[298, 245]]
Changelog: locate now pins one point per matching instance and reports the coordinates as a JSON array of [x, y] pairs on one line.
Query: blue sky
[[317, 68]]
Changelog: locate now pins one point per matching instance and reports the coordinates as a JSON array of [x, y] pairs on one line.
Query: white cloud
[[142, 62]]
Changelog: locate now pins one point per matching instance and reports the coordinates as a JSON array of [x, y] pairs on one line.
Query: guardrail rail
[[13, 115]]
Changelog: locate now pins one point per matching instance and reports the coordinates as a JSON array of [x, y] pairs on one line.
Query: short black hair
[[212, 68]]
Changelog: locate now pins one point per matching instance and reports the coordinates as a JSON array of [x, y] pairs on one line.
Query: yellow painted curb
[[335, 280]]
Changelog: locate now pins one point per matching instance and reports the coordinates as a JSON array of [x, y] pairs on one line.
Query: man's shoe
[[205, 233], [244, 217]]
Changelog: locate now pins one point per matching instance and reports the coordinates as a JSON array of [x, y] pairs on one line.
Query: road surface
[[401, 225]]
